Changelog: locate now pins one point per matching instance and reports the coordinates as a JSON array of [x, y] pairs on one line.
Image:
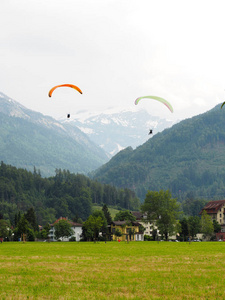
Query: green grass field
[[137, 270], [112, 211]]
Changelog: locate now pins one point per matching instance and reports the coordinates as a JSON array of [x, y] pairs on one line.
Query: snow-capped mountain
[[114, 130]]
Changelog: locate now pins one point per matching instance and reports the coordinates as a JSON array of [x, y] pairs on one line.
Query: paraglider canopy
[[165, 102], [66, 85]]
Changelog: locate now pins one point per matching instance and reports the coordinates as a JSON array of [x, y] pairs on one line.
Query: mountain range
[[80, 144], [29, 139], [188, 159], [115, 129]]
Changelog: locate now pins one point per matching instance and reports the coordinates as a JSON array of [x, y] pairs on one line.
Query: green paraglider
[[165, 102]]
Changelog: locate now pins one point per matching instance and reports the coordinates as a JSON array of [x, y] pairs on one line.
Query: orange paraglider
[[67, 85]]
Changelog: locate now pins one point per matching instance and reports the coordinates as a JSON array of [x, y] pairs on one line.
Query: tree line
[[159, 208], [65, 194], [24, 193], [26, 227], [167, 217]]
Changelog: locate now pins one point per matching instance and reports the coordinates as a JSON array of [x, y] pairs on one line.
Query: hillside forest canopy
[[65, 194], [186, 158], [44, 200]]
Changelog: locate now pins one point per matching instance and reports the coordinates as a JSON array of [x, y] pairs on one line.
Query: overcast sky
[[114, 51]]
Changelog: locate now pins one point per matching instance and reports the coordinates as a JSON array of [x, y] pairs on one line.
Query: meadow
[[113, 211], [112, 270]]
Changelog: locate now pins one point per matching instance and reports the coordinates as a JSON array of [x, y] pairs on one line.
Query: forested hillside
[[189, 157], [65, 194]]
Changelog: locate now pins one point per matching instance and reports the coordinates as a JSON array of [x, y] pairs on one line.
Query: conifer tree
[[107, 214]]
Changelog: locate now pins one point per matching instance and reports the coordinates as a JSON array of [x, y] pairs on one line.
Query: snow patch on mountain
[[152, 124], [105, 121], [118, 121], [117, 149], [117, 128], [86, 130]]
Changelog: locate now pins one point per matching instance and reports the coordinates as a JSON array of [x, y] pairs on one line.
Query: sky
[[114, 51]]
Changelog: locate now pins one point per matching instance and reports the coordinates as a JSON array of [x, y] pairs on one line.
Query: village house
[[149, 226], [142, 219], [76, 227], [129, 231], [216, 210]]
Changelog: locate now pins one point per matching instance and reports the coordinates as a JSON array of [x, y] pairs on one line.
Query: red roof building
[[216, 209]]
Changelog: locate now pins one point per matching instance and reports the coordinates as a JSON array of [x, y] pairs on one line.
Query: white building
[[149, 227], [76, 227]]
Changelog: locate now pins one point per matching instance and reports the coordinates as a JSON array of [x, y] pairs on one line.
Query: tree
[[154, 233], [23, 225], [31, 218], [217, 226], [190, 227], [184, 228], [178, 228], [193, 225], [124, 216], [118, 233], [206, 224], [163, 210], [141, 228], [107, 214], [85, 200], [192, 207], [17, 218], [4, 228], [131, 233], [63, 229], [22, 228], [45, 231], [104, 227], [92, 226]]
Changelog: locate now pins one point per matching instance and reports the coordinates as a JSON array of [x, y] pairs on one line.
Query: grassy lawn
[[138, 270]]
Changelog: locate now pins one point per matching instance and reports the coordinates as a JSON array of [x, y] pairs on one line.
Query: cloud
[[115, 51]]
